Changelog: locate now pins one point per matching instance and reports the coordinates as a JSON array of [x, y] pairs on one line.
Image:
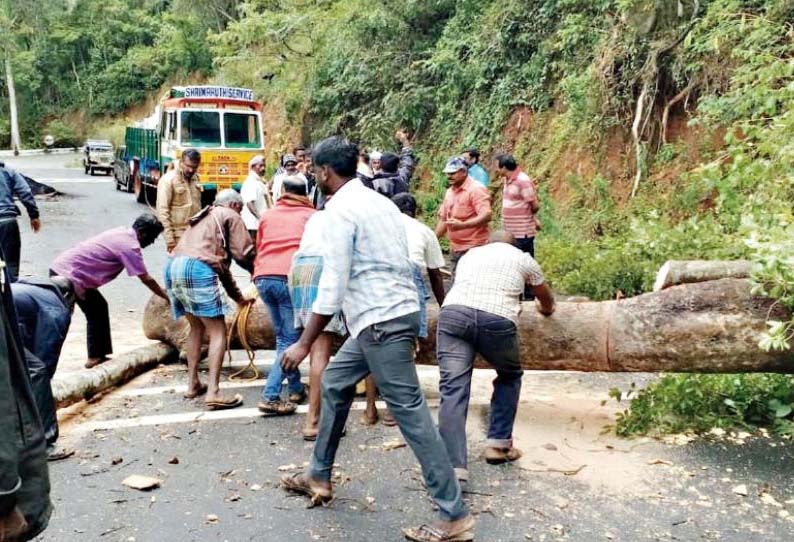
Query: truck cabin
[[206, 121]]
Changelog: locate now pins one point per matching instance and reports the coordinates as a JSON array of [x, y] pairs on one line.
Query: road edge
[[74, 387]]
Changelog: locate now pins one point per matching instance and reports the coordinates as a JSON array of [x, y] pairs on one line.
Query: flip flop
[[297, 483], [224, 404], [431, 533], [192, 395]]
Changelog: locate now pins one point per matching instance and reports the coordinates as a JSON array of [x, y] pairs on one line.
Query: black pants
[[10, 243], [527, 244], [97, 317]]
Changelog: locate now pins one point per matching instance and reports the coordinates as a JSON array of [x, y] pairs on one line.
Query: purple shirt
[[97, 261]]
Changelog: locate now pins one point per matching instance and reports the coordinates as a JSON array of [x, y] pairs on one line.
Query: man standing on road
[[367, 274], [98, 260], [465, 212], [479, 316], [519, 205], [472, 158], [13, 184], [255, 194], [280, 232], [179, 197], [289, 168], [199, 263]]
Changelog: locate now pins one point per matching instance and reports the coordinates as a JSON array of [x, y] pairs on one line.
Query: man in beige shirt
[[179, 197]]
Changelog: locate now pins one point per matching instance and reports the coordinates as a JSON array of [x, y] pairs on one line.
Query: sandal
[[310, 433], [431, 533], [299, 483], [497, 456], [297, 397], [277, 407], [388, 419], [224, 403], [193, 394]]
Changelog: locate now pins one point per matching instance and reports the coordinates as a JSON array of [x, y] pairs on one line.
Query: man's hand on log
[[294, 355]]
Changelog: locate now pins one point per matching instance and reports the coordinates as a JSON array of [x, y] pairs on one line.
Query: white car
[[98, 155]]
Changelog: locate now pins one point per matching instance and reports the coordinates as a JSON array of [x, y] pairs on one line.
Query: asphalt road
[[220, 472]]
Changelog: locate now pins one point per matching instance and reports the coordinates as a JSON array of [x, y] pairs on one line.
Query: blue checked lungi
[[421, 288], [193, 288], [304, 279]]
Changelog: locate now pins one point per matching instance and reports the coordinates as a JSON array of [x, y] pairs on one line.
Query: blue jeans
[[386, 350], [462, 333], [275, 294]]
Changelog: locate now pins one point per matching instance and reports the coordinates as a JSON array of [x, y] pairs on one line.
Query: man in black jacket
[[395, 174], [25, 505]]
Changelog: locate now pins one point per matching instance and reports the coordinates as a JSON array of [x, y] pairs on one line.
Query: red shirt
[[463, 203], [279, 235]]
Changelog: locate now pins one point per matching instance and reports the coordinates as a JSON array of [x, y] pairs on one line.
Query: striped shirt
[[491, 278], [366, 270], [517, 215]]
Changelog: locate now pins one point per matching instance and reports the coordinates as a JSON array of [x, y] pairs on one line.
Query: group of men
[[354, 269]]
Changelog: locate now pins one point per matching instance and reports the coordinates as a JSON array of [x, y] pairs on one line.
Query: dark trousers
[[97, 317], [454, 258], [386, 350], [10, 244], [527, 244], [463, 333], [40, 377]]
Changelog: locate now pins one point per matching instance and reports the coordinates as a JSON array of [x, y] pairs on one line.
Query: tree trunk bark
[[12, 105], [708, 327], [676, 272], [69, 388]]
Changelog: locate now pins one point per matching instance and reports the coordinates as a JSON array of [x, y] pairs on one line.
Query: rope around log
[[241, 324]]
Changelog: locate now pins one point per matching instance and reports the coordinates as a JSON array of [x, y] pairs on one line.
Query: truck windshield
[[241, 130], [201, 128]]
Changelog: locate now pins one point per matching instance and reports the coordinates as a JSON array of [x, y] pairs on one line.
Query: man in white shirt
[[479, 316], [289, 168], [255, 194], [367, 273]]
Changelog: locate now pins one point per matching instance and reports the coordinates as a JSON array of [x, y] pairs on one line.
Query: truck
[[223, 123]]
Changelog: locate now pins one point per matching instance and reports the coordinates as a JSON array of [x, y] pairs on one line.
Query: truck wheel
[[139, 189]]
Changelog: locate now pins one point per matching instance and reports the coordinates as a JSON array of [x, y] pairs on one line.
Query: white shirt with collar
[[366, 270]]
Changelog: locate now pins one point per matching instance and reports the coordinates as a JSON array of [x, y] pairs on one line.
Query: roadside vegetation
[[657, 129]]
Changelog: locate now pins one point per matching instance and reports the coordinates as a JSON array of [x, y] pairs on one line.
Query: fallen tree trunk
[[69, 388], [709, 327], [676, 272]]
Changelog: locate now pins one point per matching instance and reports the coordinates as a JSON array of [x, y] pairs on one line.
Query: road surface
[[220, 471]]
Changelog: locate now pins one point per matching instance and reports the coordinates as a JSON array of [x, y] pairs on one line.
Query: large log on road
[[705, 327]]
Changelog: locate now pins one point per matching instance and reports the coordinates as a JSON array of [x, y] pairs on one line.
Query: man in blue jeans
[[479, 316], [278, 238], [367, 274]]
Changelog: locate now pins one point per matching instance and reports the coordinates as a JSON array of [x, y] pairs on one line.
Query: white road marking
[[182, 388], [208, 415]]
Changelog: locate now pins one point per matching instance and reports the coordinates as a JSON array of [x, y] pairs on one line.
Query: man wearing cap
[[289, 168], [465, 212], [179, 197], [255, 194], [472, 158]]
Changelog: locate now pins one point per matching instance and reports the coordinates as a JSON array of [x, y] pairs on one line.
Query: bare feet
[[93, 362], [369, 417], [194, 390]]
